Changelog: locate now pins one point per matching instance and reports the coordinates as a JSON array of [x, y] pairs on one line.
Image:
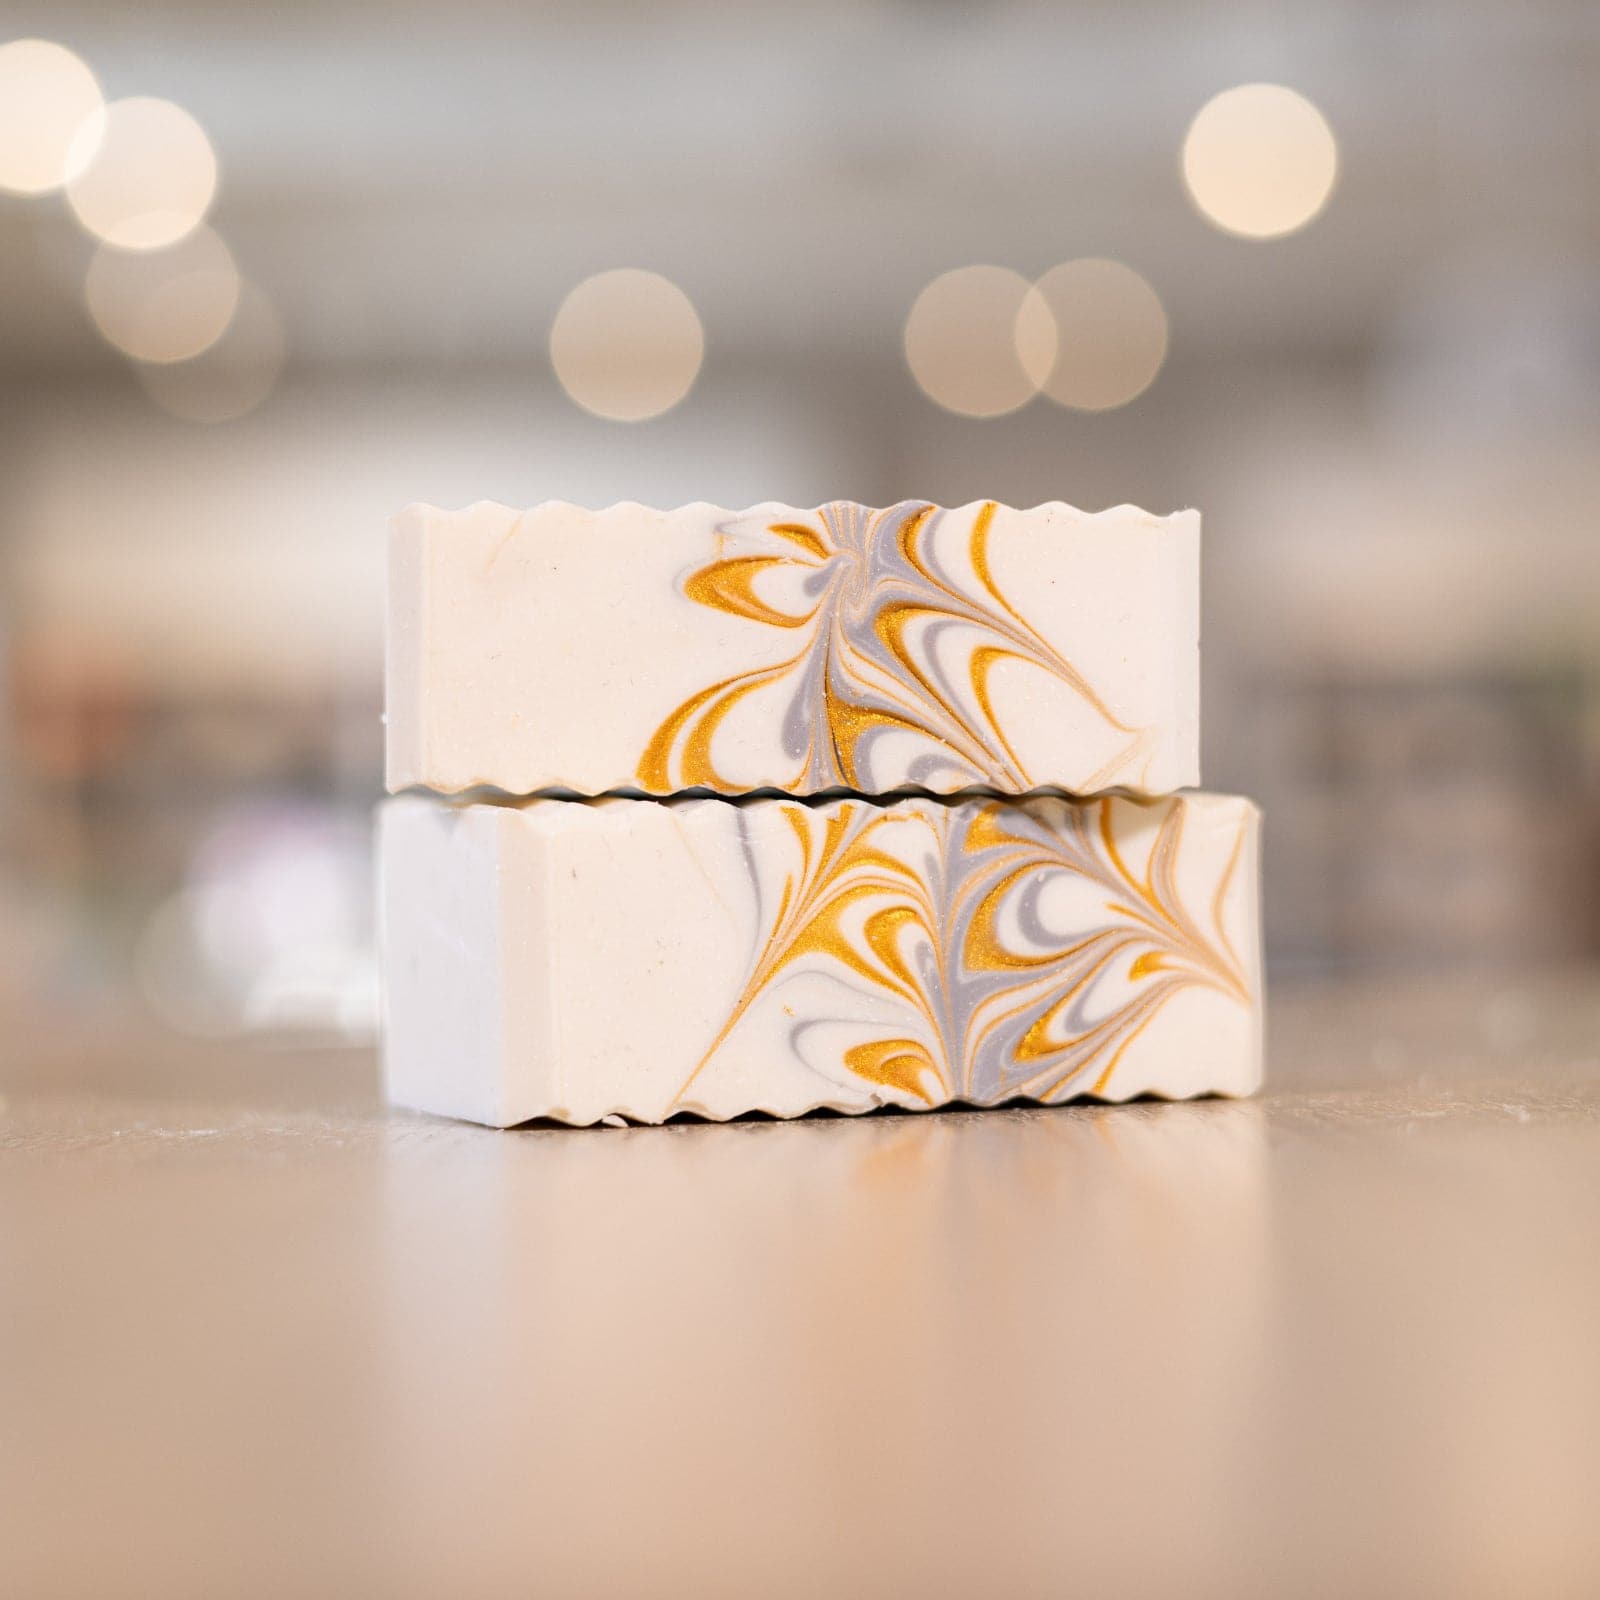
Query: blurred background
[[267, 273]]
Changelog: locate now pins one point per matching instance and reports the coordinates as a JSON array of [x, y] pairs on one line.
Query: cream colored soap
[[574, 959], [799, 650]]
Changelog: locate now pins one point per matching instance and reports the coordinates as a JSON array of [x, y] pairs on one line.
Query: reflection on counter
[[868, 1280]]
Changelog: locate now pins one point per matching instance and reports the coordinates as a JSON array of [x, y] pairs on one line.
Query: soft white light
[[975, 339], [627, 344], [1260, 160], [231, 378], [47, 95], [152, 177], [164, 305], [1111, 334]]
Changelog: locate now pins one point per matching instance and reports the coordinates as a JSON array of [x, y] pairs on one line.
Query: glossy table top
[[260, 1337]]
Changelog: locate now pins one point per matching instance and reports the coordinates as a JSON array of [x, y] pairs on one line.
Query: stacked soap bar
[[576, 959], [842, 648], [917, 925]]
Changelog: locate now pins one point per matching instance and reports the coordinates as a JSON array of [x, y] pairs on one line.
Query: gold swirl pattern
[[887, 626], [956, 914]]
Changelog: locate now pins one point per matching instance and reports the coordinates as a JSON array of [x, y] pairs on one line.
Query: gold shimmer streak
[[846, 726], [1041, 1019], [798, 533], [980, 564], [846, 872], [860, 670], [729, 586], [896, 1063], [655, 772]]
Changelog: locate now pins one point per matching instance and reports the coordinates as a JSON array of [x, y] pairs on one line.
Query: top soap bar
[[804, 651]]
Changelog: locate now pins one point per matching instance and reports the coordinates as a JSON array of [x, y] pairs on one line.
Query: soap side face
[[774, 956], [802, 650]]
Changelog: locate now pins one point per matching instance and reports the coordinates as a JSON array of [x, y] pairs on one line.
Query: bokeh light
[[152, 177], [47, 97], [231, 378], [977, 338], [164, 305], [1260, 160], [627, 344], [1111, 334]]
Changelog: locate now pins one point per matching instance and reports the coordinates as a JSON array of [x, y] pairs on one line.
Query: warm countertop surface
[[259, 1337]]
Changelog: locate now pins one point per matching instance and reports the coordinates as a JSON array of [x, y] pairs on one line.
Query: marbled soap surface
[[576, 960], [799, 650]]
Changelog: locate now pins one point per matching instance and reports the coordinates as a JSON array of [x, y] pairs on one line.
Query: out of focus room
[[1327, 272]]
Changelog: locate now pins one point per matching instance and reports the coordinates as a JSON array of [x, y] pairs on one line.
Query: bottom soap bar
[[573, 959]]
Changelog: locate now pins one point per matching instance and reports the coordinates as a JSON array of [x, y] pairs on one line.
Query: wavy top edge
[[782, 509], [568, 806]]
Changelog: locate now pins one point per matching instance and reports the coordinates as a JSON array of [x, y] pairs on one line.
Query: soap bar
[[805, 651], [579, 959]]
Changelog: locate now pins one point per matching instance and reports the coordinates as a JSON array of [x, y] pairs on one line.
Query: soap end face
[[438, 725], [1185, 531], [440, 920]]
